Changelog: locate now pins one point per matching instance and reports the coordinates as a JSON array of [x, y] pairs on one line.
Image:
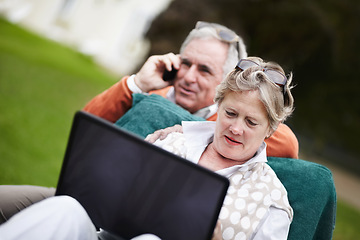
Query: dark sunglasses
[[223, 33]]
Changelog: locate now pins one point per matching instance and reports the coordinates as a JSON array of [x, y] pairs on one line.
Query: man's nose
[[191, 75]]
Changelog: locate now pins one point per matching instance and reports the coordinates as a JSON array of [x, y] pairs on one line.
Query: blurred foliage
[[316, 40]]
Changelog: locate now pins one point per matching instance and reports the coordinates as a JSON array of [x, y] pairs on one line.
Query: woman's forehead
[[246, 101]]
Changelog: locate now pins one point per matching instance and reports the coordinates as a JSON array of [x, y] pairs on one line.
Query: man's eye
[[205, 70], [186, 63]]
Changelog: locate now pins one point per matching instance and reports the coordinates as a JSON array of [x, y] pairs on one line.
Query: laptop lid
[[131, 187]]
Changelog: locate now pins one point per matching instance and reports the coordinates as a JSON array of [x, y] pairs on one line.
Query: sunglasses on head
[[274, 75], [223, 33]]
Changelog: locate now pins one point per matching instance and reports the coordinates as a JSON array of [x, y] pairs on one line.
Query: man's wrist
[[132, 85]]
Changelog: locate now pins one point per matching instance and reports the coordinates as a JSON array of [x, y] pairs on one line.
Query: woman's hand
[[217, 232], [162, 133]]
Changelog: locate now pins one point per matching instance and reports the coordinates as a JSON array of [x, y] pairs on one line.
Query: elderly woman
[[252, 100]]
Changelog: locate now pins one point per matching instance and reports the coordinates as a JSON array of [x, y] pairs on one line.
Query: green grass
[[42, 84], [347, 222]]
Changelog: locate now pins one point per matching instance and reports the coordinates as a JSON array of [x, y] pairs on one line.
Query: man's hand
[[162, 133], [150, 75]]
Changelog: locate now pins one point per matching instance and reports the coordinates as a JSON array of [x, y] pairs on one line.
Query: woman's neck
[[212, 160]]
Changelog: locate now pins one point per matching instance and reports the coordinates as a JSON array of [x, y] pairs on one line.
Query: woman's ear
[[271, 131], [269, 135]]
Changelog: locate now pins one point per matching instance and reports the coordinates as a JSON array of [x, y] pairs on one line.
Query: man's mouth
[[186, 91]]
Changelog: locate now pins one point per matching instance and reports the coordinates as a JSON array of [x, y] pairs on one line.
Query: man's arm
[[282, 143], [117, 100], [112, 103]]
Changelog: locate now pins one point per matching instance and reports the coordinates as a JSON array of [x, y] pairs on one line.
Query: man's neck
[[205, 112]]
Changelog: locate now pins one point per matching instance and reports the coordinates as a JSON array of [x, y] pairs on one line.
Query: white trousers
[[55, 218]]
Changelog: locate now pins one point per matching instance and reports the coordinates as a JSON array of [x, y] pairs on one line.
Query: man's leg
[[14, 198], [59, 218]]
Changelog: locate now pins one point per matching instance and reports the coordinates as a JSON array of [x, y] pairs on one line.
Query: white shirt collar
[[205, 112]]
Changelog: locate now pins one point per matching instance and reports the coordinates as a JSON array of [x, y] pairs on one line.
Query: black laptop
[[131, 187]]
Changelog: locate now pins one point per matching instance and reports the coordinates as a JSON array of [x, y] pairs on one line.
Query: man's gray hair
[[233, 56]]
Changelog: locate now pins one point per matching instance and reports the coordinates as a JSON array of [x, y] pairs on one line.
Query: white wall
[[112, 31]]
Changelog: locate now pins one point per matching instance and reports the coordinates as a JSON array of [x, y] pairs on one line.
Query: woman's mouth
[[232, 141]]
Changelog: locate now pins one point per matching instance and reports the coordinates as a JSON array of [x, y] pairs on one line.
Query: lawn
[[42, 84]]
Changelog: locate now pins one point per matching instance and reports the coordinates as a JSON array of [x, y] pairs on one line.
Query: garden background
[[42, 83]]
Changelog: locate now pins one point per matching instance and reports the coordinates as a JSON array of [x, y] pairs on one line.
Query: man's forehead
[[210, 52]]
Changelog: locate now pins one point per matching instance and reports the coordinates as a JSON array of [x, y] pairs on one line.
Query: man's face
[[200, 72]]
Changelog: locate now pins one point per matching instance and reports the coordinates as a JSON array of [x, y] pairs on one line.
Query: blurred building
[[111, 31]]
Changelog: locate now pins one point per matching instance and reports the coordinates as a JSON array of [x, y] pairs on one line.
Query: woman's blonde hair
[[278, 100]]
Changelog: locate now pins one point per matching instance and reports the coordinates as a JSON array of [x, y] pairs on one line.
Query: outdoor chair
[[311, 193]]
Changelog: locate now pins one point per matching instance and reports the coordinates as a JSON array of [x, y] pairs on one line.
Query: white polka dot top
[[251, 193], [254, 186]]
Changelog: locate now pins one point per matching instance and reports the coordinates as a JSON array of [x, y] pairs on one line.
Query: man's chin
[[186, 104]]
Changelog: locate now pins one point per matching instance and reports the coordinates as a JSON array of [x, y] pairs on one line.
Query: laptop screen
[[130, 187]]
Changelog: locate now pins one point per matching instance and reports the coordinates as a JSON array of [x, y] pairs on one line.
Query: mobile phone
[[169, 75]]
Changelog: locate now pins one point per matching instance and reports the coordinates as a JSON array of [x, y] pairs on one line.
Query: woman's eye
[[230, 114], [251, 123]]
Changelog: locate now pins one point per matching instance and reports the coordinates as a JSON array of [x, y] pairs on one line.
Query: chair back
[[312, 195]]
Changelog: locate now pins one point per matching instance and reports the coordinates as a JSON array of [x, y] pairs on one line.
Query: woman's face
[[241, 126]]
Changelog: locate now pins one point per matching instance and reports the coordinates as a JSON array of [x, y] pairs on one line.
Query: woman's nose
[[237, 129]]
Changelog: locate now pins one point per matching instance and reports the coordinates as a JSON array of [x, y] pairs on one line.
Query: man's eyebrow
[[206, 68], [185, 60], [201, 67]]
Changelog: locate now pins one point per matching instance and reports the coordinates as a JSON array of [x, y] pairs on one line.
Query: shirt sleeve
[[283, 143], [113, 103], [274, 227], [132, 85]]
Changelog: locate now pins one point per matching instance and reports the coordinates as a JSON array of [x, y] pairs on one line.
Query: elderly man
[[208, 53]]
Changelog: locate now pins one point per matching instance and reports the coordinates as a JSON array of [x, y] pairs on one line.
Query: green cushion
[[312, 196], [152, 112]]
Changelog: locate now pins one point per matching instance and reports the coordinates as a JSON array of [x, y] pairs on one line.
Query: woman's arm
[[162, 133], [275, 226]]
